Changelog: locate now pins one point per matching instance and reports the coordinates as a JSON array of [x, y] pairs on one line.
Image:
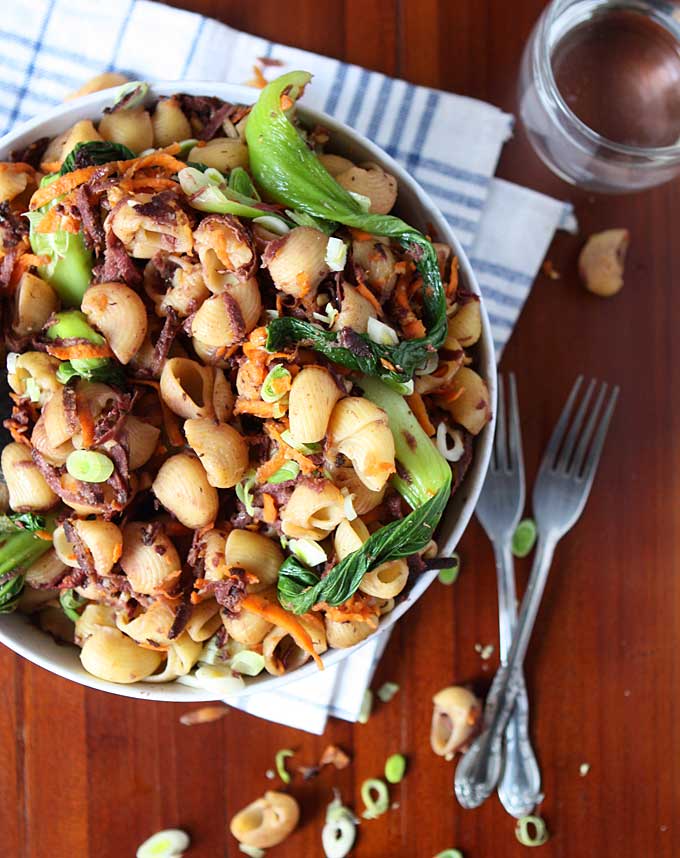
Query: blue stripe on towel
[[37, 45], [336, 88], [512, 275], [401, 118], [121, 35], [454, 196], [423, 130], [379, 109], [194, 45], [500, 297], [359, 95]]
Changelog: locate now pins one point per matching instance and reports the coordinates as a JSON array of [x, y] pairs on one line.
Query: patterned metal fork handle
[[480, 768], [519, 788]]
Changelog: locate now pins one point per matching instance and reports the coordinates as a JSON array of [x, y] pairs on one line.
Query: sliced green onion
[[305, 449], [244, 492], [185, 146], [71, 603], [65, 371], [449, 853], [240, 181], [89, 466], [211, 652], [12, 358], [171, 843], [251, 851], [336, 254], [340, 830], [329, 316], [138, 89], [307, 551], [287, 471], [247, 663], [218, 679], [524, 537], [364, 202], [366, 707], [32, 389], [268, 392], [73, 324], [406, 388], [448, 576], [381, 333], [523, 831], [387, 691], [395, 768], [375, 806], [280, 763], [272, 224], [303, 219]]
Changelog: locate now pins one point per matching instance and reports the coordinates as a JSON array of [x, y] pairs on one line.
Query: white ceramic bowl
[[417, 208]]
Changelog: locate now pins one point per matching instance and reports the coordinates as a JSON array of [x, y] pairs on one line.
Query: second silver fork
[[499, 510]]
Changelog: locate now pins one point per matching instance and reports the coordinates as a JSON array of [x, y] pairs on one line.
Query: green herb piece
[[94, 153], [270, 391], [387, 691], [288, 471], [280, 763], [524, 538], [448, 576], [17, 522], [305, 449], [244, 492], [71, 603], [366, 707], [375, 797], [303, 219], [207, 193], [247, 662], [290, 173], [531, 831], [339, 832], [251, 851], [449, 853], [171, 843], [89, 466], [240, 181], [108, 372], [18, 551], [185, 146], [307, 551], [395, 768], [425, 484]]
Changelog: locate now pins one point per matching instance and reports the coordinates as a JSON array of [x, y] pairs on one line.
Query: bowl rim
[[14, 635]]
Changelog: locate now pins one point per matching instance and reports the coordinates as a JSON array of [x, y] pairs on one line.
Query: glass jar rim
[[543, 48]]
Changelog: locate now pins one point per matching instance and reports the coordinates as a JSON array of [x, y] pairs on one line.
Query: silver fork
[[499, 509], [560, 494]]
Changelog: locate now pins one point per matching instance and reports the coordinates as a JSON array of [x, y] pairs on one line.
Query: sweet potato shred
[[276, 615], [79, 351], [417, 406], [269, 511]]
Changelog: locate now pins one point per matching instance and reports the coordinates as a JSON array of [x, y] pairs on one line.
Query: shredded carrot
[[286, 102], [85, 419], [412, 327], [153, 183], [269, 511], [452, 285], [272, 465], [23, 263], [307, 466], [56, 220], [16, 167], [259, 81], [417, 406], [388, 364], [360, 235], [61, 186], [366, 293], [158, 160], [43, 534], [353, 610], [450, 394], [175, 437], [17, 433], [256, 407], [276, 615], [79, 351], [51, 166]]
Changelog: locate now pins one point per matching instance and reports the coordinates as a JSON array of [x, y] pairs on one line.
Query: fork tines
[[576, 453]]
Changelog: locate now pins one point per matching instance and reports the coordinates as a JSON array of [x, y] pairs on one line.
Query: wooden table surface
[[88, 774]]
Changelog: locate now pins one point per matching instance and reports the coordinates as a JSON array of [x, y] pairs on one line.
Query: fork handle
[[520, 786], [480, 768]]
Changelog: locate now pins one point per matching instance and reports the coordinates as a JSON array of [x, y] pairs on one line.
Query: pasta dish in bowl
[[245, 389]]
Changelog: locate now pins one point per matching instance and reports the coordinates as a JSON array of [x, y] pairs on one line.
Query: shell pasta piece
[[28, 491], [359, 430], [313, 395], [149, 558], [314, 510], [182, 486], [109, 654]]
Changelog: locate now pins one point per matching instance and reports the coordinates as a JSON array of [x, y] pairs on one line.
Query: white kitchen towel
[[449, 143]]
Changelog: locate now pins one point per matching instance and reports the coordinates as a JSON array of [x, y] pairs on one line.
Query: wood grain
[[88, 774]]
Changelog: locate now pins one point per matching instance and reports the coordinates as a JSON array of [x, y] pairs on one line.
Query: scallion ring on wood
[[449, 853], [449, 575], [251, 851], [374, 806], [524, 827], [171, 843], [387, 691], [366, 706], [395, 768], [89, 466], [524, 537], [280, 763]]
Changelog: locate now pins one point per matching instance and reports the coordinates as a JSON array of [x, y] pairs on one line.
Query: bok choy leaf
[[290, 173]]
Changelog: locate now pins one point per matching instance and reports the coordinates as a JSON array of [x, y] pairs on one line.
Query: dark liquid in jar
[[619, 72]]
